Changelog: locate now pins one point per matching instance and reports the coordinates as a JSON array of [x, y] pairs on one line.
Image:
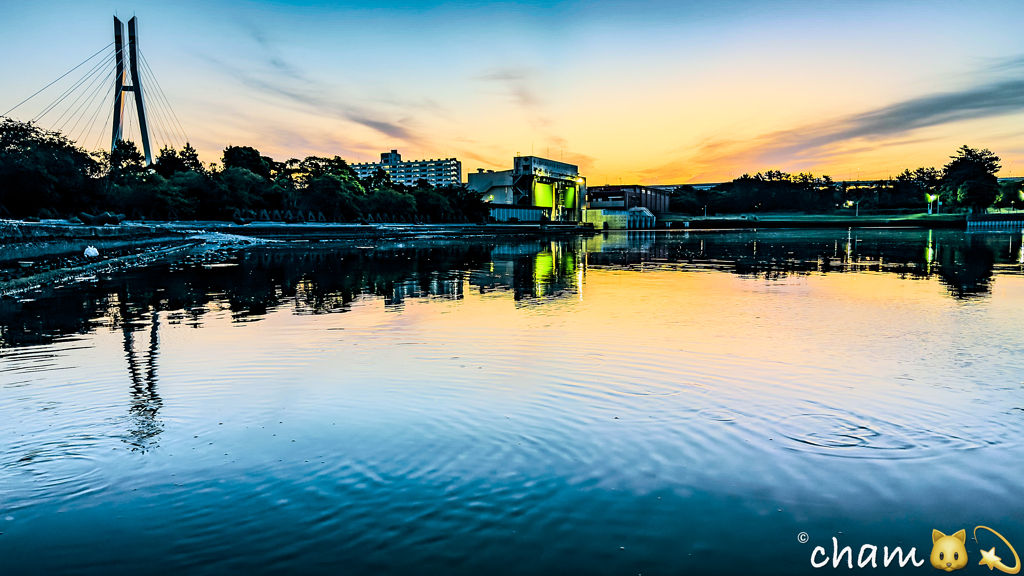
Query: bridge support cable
[[156, 116], [108, 117], [86, 134], [161, 118], [163, 96], [166, 116], [166, 124], [87, 95], [59, 78], [85, 111], [97, 69]]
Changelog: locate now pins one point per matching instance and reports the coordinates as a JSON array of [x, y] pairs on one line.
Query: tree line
[[967, 183], [44, 174]]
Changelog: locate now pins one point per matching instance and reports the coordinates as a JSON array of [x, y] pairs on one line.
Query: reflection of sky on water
[[635, 391]]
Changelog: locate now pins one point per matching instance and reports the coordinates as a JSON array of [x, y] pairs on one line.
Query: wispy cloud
[[519, 85], [996, 99], [321, 104], [516, 83], [284, 81], [890, 125]]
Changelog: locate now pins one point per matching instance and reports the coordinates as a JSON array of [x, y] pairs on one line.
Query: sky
[[648, 92]]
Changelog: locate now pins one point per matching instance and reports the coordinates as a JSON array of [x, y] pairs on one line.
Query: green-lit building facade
[[535, 188]]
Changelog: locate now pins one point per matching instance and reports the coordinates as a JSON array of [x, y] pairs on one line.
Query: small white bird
[[91, 251]]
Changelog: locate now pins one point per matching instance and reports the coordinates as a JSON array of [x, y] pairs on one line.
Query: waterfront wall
[[996, 222]]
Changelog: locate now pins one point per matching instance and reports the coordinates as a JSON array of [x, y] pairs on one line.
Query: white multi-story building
[[440, 172]]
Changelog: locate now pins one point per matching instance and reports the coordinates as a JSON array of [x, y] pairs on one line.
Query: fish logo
[[950, 552]]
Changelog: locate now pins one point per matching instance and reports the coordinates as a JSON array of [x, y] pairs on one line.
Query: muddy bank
[[17, 231], [27, 275], [19, 275], [318, 231], [69, 246], [13, 232]]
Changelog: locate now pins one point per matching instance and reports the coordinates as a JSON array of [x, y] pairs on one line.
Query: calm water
[[628, 404]]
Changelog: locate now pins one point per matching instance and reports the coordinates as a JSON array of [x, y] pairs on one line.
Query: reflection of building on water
[[624, 248], [449, 288], [539, 270], [641, 240]]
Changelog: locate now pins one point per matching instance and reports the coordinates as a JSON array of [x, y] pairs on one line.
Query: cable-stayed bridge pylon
[[117, 92]]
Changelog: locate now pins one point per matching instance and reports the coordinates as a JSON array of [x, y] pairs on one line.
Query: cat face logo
[[949, 552]]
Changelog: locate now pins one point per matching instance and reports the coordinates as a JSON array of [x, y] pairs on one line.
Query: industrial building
[[638, 218], [631, 207], [626, 197], [534, 190], [440, 172]]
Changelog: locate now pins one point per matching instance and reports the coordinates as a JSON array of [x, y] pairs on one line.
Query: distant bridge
[[110, 73], [857, 183]]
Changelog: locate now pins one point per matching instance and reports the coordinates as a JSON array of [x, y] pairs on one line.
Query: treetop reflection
[[327, 278]]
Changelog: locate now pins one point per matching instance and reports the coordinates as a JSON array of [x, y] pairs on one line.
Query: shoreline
[[35, 255], [752, 221], [49, 231], [15, 231]]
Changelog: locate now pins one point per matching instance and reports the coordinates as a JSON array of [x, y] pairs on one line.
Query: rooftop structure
[[439, 172]]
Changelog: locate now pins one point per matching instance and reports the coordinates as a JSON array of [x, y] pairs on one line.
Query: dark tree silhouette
[[248, 158], [970, 178], [42, 170]]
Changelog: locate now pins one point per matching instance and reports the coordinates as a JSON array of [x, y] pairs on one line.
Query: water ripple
[[855, 436]]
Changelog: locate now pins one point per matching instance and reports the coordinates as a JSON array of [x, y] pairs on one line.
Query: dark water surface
[[634, 403]]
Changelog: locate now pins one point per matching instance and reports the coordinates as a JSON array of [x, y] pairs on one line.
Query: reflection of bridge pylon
[[135, 87], [146, 402]]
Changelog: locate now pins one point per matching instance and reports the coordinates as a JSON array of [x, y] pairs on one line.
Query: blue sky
[[651, 92]]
